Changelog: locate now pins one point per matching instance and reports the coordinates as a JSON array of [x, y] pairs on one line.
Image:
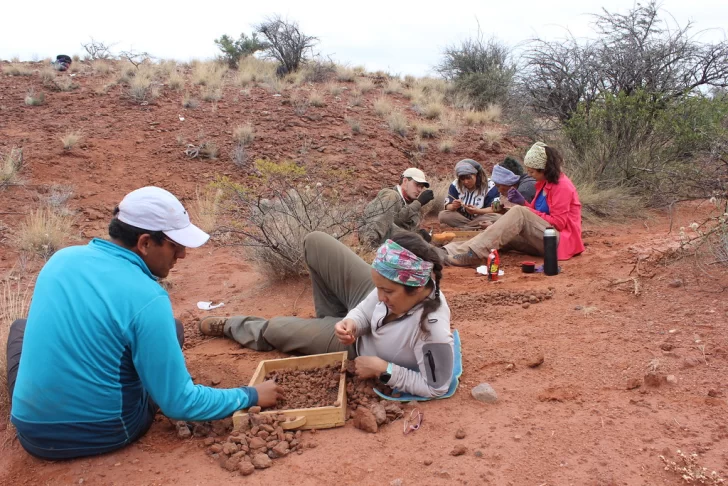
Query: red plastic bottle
[[493, 265]]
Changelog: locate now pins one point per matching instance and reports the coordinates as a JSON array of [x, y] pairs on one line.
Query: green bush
[[233, 50]]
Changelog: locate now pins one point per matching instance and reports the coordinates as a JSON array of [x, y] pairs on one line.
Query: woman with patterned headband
[[390, 316], [556, 205]]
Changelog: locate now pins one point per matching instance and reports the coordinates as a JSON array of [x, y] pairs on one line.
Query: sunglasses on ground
[[413, 422]]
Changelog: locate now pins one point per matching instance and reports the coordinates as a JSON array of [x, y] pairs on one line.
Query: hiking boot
[[468, 259], [213, 326]]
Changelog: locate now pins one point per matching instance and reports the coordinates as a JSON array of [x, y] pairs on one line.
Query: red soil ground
[[571, 420]]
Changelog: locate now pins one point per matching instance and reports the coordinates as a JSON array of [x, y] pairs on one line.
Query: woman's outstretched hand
[[369, 367], [345, 330]]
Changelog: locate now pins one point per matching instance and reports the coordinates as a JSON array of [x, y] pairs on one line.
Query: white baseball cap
[[416, 175], [154, 209]]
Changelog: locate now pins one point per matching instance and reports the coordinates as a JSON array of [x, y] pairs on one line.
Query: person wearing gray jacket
[[391, 317]]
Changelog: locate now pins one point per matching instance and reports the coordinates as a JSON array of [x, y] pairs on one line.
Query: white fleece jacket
[[401, 341]]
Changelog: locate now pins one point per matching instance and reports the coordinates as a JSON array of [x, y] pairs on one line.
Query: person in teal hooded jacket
[[101, 351]]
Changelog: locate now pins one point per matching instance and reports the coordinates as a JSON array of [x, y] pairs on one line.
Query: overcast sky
[[404, 37]]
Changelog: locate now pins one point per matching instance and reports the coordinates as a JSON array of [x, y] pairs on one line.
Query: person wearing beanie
[[521, 228], [526, 184], [396, 209], [468, 198], [101, 352]]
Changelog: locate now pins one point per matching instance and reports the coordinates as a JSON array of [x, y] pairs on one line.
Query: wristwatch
[[384, 377]]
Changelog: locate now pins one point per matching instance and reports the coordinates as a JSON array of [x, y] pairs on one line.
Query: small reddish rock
[[380, 414], [535, 361], [263, 434], [255, 409], [281, 449], [654, 379], [215, 449], [458, 450], [460, 434], [256, 443], [365, 420], [633, 383], [427, 462], [245, 467], [209, 441], [261, 461], [229, 448]]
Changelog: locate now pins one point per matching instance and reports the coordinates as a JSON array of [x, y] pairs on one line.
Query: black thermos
[[550, 245]]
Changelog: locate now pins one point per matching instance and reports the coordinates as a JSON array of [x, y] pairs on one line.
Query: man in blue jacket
[[100, 351]]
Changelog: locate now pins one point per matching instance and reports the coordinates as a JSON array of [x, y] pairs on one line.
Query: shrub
[[317, 71], [209, 74], [274, 227], [70, 139], [44, 232], [102, 67], [97, 50], [58, 197], [382, 106], [285, 42], [286, 169], [481, 69], [599, 203], [33, 98], [252, 69], [47, 77], [233, 50], [449, 123], [397, 123], [64, 83], [239, 155], [356, 99], [244, 134], [490, 137], [12, 163]]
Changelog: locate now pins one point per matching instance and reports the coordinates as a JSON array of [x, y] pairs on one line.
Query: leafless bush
[[97, 50], [274, 227], [286, 42], [34, 99], [239, 155]]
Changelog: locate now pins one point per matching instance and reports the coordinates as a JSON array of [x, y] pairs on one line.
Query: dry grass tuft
[[244, 134], [44, 232], [614, 203], [393, 86], [382, 106], [354, 124], [102, 67], [71, 138], [490, 137], [47, 76], [13, 305], [142, 89], [33, 98], [364, 84], [189, 102], [425, 130], [334, 89], [17, 69], [397, 122], [176, 81], [440, 187], [206, 208], [254, 70], [64, 83], [491, 114], [211, 93], [209, 74], [12, 163], [446, 146], [433, 111], [449, 123], [316, 99], [345, 75]]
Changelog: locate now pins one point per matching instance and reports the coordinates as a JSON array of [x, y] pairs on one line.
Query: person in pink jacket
[[556, 205]]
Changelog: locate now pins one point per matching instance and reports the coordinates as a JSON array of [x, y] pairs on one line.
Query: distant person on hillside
[[390, 316], [468, 199], [396, 208], [521, 228], [101, 351], [62, 62]]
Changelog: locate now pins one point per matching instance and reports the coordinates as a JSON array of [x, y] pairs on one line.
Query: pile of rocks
[[364, 405], [255, 443]]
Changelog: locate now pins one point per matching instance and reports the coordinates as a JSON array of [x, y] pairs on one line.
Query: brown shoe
[[468, 259], [213, 326]]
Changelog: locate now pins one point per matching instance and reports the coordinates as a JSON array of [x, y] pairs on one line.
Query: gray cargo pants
[[340, 280]]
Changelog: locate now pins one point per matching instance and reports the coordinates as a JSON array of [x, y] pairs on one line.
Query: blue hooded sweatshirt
[[100, 350]]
